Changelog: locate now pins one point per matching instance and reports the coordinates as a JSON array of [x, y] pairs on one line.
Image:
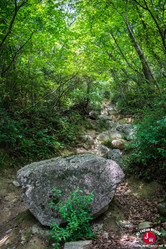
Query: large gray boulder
[[88, 172]]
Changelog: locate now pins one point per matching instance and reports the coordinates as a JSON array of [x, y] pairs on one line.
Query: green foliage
[[75, 211], [148, 154], [37, 134], [108, 143]]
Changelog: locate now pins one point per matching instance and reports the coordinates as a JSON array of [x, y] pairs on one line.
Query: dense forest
[[60, 62], [61, 59]]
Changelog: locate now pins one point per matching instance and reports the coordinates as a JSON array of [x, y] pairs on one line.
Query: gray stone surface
[[102, 137], [111, 109], [103, 121], [88, 172], [115, 155], [126, 128], [87, 139], [113, 135], [110, 134], [118, 144], [110, 124], [104, 117], [103, 150], [85, 244]]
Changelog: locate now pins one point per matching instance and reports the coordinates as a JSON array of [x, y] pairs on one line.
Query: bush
[[147, 159], [37, 134], [75, 211]]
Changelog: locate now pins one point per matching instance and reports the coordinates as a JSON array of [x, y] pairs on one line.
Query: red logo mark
[[149, 238]]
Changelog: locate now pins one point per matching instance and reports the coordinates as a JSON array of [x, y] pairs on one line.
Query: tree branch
[[16, 9], [14, 56]]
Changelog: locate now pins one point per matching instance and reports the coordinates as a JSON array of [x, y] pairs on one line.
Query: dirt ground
[[135, 202]]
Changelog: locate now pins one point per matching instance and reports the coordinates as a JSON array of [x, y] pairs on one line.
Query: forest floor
[[131, 214]]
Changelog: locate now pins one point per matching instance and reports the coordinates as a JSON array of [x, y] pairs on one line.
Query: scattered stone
[[87, 139], [111, 109], [103, 121], [126, 128], [113, 135], [162, 208], [115, 155], [44, 232], [110, 134], [94, 114], [103, 150], [104, 117], [97, 228], [102, 137], [16, 184], [88, 172], [86, 146], [110, 124], [85, 244], [118, 144], [145, 224], [105, 235], [9, 231]]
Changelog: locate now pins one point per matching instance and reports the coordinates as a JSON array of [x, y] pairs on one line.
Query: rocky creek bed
[[133, 208]]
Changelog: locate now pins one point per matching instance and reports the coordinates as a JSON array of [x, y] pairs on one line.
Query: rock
[[85, 244], [105, 235], [104, 117], [131, 135], [144, 225], [118, 144], [162, 208], [45, 233], [103, 120], [113, 135], [87, 139], [97, 228], [115, 155], [88, 172], [94, 114], [110, 124], [111, 109], [103, 150], [102, 137], [126, 128], [16, 184], [110, 134]]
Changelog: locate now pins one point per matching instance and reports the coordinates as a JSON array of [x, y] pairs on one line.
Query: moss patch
[[142, 189]]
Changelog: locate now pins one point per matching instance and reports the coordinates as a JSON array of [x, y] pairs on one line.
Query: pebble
[[16, 184]]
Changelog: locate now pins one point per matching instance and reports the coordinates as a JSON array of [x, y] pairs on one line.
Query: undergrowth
[[147, 153], [36, 134], [75, 211]]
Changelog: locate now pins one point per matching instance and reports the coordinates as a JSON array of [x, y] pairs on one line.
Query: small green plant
[[75, 211], [108, 143]]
